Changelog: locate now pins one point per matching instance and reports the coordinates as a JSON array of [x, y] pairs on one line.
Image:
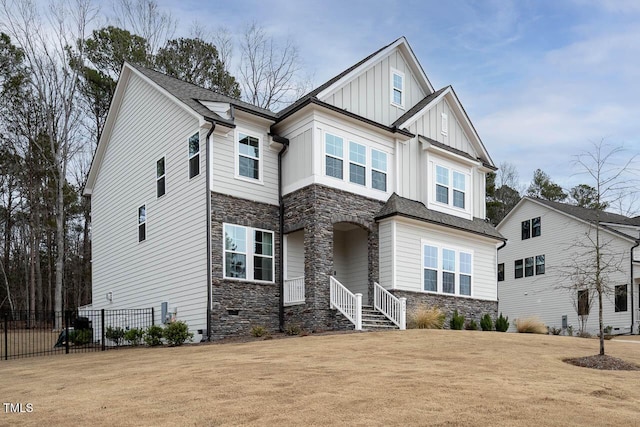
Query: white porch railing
[[294, 291], [394, 308], [346, 302]]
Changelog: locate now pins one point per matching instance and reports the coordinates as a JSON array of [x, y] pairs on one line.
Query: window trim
[[333, 156], [452, 169], [163, 177], [402, 91], [364, 166], [190, 156], [249, 254], [260, 159], [440, 268], [142, 225], [374, 169]]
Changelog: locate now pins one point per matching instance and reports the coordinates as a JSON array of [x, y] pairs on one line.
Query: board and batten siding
[[170, 265], [543, 295], [224, 177], [369, 94], [409, 238]]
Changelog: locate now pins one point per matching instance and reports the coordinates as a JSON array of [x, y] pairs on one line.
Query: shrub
[[134, 336], [486, 323], [177, 333], [471, 325], [426, 318], [153, 335], [81, 336], [502, 323], [293, 330], [555, 331], [259, 331], [115, 334], [570, 330], [584, 334], [530, 325], [457, 321]]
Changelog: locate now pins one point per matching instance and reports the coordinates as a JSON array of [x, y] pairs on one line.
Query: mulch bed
[[605, 362]]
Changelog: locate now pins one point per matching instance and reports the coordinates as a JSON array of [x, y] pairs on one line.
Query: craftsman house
[[550, 243], [367, 191]]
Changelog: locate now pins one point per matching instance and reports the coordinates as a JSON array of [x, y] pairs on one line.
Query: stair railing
[[346, 302], [395, 309]]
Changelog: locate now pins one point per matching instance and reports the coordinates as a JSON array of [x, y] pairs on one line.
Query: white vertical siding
[[408, 255], [171, 264], [295, 254], [430, 125], [542, 295], [386, 253]]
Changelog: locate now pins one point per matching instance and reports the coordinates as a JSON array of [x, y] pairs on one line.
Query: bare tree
[[144, 18], [46, 35], [268, 70]]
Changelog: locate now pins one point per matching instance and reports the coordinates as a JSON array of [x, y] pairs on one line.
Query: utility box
[[164, 310], [564, 322]]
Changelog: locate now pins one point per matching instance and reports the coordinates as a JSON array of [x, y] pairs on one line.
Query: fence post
[[66, 331], [102, 329], [403, 314], [153, 317], [358, 312], [6, 336]]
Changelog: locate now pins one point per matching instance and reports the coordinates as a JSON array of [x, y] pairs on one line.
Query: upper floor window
[[539, 264], [584, 305], [160, 178], [526, 230], [248, 156], [447, 270], [194, 155], [397, 88], [379, 170], [528, 267], [621, 298], [519, 269], [531, 228], [445, 192], [357, 163], [248, 253], [501, 272], [333, 155], [142, 223]]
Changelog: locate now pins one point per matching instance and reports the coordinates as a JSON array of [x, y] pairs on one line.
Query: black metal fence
[[36, 333]]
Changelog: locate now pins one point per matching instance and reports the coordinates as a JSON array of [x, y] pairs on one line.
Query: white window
[[248, 253], [357, 163], [333, 156], [442, 184], [160, 178], [248, 156], [447, 270], [379, 170], [444, 124], [455, 194], [397, 88], [459, 189], [142, 223], [194, 155]]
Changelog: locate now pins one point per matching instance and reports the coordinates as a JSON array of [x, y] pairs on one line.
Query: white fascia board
[[424, 109]]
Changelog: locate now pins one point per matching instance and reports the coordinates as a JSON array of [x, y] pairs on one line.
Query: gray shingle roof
[[401, 206], [419, 106]]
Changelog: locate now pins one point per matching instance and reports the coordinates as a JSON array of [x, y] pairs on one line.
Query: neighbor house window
[[248, 253], [583, 303], [501, 272], [528, 267], [357, 163], [379, 170], [621, 298], [535, 227], [430, 268], [397, 88], [539, 264], [465, 273], [248, 156], [333, 155], [446, 270], [160, 179], [519, 269], [194, 155], [142, 223], [444, 118], [526, 229]]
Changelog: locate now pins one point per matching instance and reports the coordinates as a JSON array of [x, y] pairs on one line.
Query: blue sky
[[540, 80]]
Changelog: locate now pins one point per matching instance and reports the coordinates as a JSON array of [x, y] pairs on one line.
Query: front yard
[[416, 377]]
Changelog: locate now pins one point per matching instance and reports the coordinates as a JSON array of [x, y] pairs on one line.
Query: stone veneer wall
[[315, 209], [238, 305], [471, 309]]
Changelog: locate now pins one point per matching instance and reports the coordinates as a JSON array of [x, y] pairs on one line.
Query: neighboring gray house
[[238, 216], [545, 240]]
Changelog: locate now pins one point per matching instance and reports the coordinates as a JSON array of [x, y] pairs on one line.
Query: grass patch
[[530, 325], [423, 317]]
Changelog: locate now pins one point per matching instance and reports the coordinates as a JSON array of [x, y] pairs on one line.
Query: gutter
[[208, 233], [285, 145], [631, 285]]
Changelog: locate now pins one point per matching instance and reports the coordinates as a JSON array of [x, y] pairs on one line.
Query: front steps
[[373, 320]]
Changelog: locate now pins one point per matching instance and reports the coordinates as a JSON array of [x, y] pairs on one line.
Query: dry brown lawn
[[416, 377]]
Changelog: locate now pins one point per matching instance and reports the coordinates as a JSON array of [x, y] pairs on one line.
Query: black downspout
[[285, 144], [208, 233], [631, 285], [498, 283]]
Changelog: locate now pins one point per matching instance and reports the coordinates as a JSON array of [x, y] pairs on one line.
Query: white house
[[547, 241], [371, 185]]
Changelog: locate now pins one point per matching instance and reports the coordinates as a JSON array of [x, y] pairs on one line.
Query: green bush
[[502, 323], [471, 325], [153, 335], [486, 323], [457, 321], [81, 336], [177, 333], [134, 336], [259, 331], [115, 334], [293, 330]]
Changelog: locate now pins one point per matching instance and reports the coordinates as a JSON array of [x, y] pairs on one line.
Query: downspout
[[285, 145], [498, 283], [631, 285], [208, 233]]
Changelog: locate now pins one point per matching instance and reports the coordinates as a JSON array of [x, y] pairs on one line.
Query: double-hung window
[[447, 271], [584, 305], [539, 264], [465, 273], [397, 88], [378, 170], [194, 155], [451, 187], [501, 272], [535, 227], [160, 178], [526, 229], [621, 298], [528, 267], [430, 268], [519, 269], [334, 155], [458, 189], [248, 156], [357, 163], [142, 223], [442, 184], [248, 253]]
